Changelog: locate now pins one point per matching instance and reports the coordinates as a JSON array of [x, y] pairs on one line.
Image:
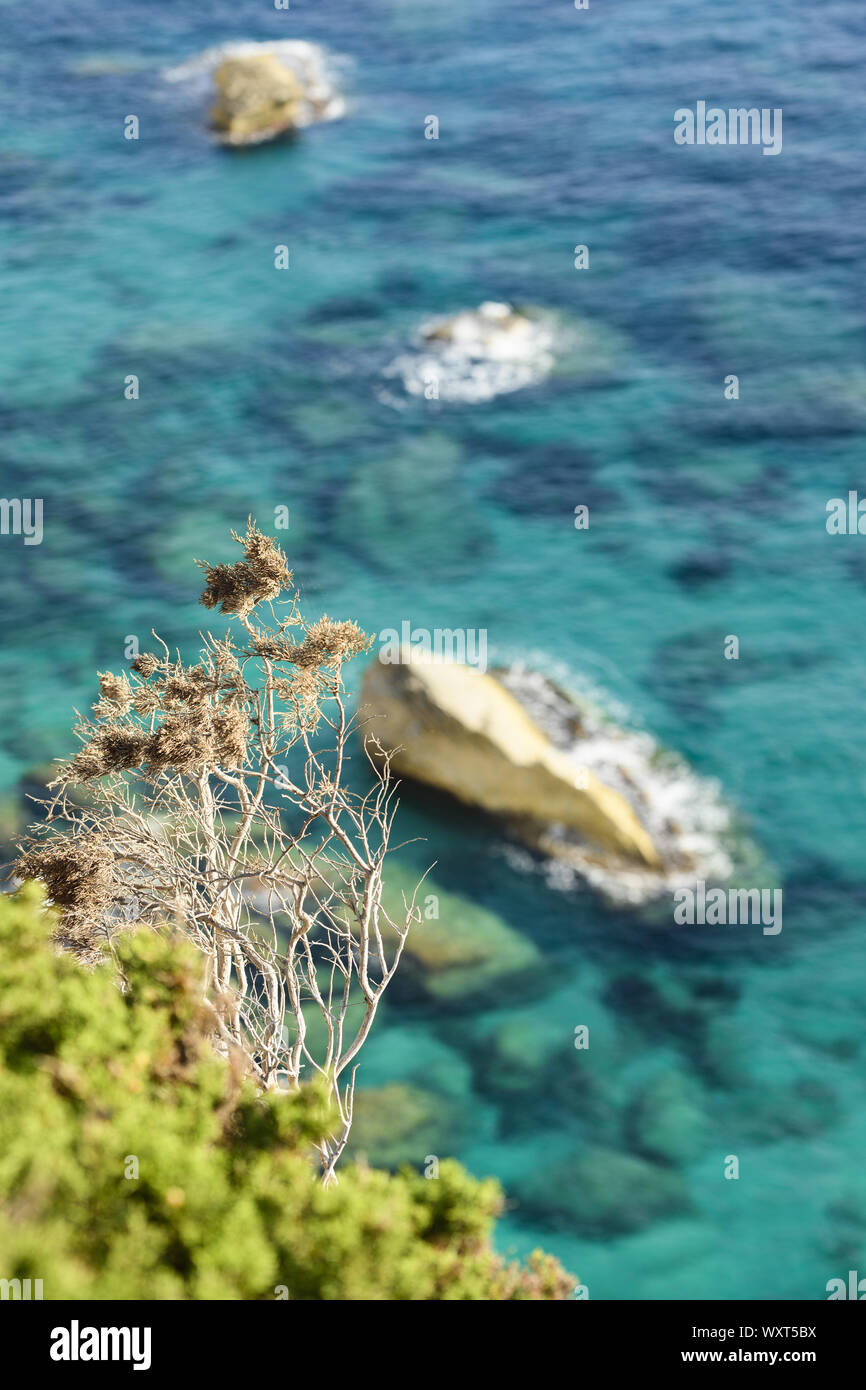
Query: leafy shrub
[[135, 1163]]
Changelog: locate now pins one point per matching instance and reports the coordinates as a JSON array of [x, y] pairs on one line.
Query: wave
[[477, 354]]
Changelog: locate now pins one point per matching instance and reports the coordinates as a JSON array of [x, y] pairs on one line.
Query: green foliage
[[97, 1082]]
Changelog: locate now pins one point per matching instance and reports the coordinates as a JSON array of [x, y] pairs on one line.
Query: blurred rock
[[662, 1001], [257, 99], [262, 89], [464, 951], [602, 1193], [402, 1123], [477, 354], [802, 1110], [517, 1056], [666, 1120], [399, 506]]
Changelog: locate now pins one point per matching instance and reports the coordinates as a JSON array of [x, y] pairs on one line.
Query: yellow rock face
[[460, 730], [257, 96]]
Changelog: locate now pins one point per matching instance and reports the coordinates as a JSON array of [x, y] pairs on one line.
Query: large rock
[[460, 729], [257, 98], [262, 90]]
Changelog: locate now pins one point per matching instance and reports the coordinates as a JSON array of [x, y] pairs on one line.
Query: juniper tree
[[214, 795]]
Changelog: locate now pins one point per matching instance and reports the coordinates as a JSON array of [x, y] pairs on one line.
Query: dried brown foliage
[[78, 872], [261, 576]]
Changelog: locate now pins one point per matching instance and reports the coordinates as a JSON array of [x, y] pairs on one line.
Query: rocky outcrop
[[460, 730], [493, 329], [259, 91], [257, 99]]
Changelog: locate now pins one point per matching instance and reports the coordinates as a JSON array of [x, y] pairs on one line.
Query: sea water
[[261, 389]]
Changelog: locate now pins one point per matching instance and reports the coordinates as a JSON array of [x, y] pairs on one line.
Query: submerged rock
[[663, 1001], [516, 1056], [401, 1123], [397, 506], [604, 1192], [801, 1110], [461, 730], [667, 1120], [263, 90], [466, 950]]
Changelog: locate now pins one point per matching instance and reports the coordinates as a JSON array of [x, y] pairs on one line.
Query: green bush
[[136, 1164]]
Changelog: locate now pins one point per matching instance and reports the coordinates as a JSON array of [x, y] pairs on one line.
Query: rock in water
[[257, 99], [464, 951], [262, 89], [666, 1119], [601, 1193], [461, 730], [492, 328], [402, 1123]]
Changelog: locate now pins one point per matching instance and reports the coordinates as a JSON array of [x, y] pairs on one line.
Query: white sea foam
[[685, 814], [477, 354], [312, 65]]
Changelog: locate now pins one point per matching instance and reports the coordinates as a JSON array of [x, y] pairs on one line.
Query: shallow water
[[261, 389]]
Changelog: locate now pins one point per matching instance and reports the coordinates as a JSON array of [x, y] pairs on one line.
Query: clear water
[[261, 389]]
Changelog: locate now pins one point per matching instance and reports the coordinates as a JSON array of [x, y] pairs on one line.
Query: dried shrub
[[231, 729], [78, 872], [183, 742], [261, 576], [116, 692], [113, 747], [328, 643], [145, 664], [192, 817]]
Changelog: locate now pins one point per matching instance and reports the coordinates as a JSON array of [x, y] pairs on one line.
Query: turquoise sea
[[262, 389]]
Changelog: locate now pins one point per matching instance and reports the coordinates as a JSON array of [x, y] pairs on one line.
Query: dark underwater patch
[[550, 481], [345, 307], [690, 672], [700, 568]]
